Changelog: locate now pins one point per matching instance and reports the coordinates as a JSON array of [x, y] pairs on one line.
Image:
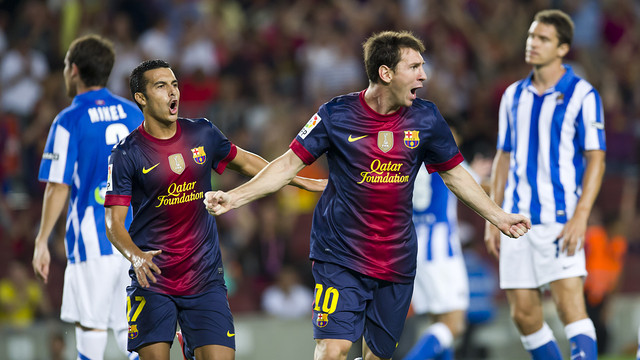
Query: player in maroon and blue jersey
[[163, 169], [363, 241]]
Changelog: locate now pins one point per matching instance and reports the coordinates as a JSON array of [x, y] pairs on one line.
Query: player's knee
[[331, 349], [526, 317]]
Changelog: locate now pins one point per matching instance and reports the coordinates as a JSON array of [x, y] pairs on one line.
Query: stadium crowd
[[257, 68]]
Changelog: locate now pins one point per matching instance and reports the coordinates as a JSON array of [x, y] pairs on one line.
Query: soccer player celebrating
[[363, 242], [163, 169], [549, 166], [74, 165]]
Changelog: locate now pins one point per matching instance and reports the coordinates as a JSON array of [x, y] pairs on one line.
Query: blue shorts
[[205, 319], [348, 304]]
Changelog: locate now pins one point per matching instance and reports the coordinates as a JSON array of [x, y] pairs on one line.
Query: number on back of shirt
[[114, 133]]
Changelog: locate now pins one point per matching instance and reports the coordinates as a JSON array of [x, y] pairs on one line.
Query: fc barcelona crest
[[385, 140], [199, 155], [133, 331], [176, 162], [322, 320], [411, 138]]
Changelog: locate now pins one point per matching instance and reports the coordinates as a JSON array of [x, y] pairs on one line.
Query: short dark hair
[[561, 21], [94, 56], [137, 80], [385, 49]]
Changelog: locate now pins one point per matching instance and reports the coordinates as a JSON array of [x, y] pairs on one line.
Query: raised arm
[[250, 164], [271, 178], [462, 184], [117, 233]]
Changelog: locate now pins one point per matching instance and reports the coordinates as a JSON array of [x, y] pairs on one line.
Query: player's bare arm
[[142, 261], [574, 230], [462, 184], [272, 178], [250, 164], [55, 199], [499, 174]]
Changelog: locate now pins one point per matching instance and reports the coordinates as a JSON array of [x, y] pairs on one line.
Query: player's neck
[[159, 129], [379, 100], [81, 88], [547, 76]]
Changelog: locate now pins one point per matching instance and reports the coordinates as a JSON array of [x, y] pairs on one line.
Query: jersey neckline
[[376, 115], [170, 140]]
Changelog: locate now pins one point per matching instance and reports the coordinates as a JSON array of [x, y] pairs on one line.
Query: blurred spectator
[[22, 71], [155, 42], [287, 298], [21, 298], [127, 54]]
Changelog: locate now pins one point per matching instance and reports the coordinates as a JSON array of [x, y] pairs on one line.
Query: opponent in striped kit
[[549, 166], [363, 242], [74, 165]]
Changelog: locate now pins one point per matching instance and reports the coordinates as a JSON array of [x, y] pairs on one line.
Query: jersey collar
[[94, 95]]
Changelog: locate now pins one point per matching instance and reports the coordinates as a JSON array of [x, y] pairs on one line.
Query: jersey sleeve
[[313, 140], [504, 129], [591, 123], [442, 154], [119, 178], [60, 153], [224, 151]]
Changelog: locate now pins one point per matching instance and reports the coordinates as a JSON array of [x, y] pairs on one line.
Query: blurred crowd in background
[[259, 69]]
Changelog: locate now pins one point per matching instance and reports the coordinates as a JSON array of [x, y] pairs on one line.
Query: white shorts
[[95, 293], [441, 284], [535, 259]]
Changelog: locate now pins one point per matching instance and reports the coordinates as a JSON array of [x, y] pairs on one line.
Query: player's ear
[[385, 73], [140, 98], [74, 70], [563, 49]]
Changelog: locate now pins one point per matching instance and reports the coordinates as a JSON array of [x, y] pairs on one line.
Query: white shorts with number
[[536, 259], [95, 293], [441, 284]]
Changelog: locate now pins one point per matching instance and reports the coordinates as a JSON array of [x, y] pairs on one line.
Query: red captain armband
[[121, 200]]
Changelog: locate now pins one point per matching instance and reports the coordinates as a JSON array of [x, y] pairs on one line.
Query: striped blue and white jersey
[[76, 153], [546, 136]]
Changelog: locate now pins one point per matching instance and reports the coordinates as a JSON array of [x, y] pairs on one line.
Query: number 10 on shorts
[[329, 299]]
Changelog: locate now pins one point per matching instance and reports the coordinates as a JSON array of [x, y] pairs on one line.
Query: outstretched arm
[[117, 233], [55, 197], [270, 179], [250, 164], [462, 184]]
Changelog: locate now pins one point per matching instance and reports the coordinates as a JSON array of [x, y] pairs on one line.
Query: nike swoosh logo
[[352, 139], [229, 334], [144, 170]]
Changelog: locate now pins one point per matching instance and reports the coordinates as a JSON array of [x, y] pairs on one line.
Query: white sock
[[538, 338], [91, 344], [584, 327], [442, 333]]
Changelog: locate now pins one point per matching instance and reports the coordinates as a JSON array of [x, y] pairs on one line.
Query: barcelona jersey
[[165, 182], [363, 220]]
